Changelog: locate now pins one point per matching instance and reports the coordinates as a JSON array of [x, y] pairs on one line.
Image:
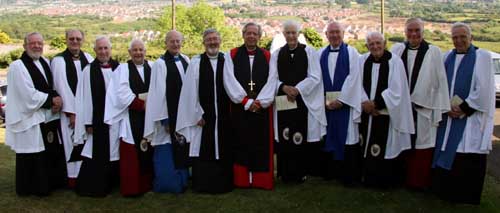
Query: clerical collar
[[212, 57], [177, 58], [106, 65], [75, 56], [334, 49]]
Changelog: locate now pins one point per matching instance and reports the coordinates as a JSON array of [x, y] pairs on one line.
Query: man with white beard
[[32, 122], [204, 119]]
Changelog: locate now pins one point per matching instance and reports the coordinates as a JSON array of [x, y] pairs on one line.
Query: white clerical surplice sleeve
[[190, 111], [156, 107], [397, 98]]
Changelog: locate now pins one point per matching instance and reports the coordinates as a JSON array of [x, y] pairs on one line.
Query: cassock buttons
[[50, 137], [286, 133], [297, 138], [375, 150], [144, 145]]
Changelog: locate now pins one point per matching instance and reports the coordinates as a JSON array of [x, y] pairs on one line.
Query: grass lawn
[[315, 195]]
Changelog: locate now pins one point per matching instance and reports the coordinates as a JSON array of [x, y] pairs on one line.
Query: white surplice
[[479, 127], [84, 114], [351, 92], [191, 111], [61, 85], [156, 108], [430, 92], [311, 91], [119, 96], [397, 100], [23, 112]]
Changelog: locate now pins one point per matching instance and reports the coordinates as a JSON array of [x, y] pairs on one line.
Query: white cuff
[[249, 103]]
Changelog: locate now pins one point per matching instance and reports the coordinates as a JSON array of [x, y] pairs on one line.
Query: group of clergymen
[[410, 115]]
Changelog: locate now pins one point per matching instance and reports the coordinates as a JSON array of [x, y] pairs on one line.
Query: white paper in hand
[[282, 103], [331, 97]]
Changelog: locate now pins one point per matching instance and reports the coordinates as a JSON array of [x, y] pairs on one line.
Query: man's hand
[[56, 104], [368, 106], [375, 113], [291, 92], [167, 128], [456, 112], [71, 120], [201, 122], [333, 105], [255, 106], [89, 130]]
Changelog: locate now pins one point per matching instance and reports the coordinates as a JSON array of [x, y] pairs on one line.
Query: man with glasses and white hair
[[67, 68], [171, 152], [253, 166], [99, 141], [387, 120], [464, 134], [32, 122], [125, 106], [299, 115]]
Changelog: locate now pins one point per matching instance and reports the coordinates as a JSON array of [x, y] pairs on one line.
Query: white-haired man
[[32, 122], [299, 115], [429, 95], [386, 121], [125, 106], [98, 141], [341, 152], [67, 69], [204, 118], [171, 157], [464, 134]]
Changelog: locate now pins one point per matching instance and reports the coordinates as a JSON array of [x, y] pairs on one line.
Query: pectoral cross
[[251, 84]]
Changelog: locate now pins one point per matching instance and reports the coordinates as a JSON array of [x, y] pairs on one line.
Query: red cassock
[[418, 170]]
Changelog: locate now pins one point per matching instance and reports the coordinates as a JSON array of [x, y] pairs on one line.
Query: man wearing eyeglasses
[[67, 68]]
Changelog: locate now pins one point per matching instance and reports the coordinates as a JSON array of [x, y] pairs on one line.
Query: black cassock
[[39, 173], [252, 129], [98, 175], [294, 152], [378, 171], [180, 149], [211, 175]]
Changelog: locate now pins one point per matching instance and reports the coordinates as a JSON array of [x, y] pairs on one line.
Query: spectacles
[[75, 39]]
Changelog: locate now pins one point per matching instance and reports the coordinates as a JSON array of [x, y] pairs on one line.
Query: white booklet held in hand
[[282, 103]]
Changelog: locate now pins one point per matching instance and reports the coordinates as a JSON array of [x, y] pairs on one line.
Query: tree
[[313, 37], [58, 42], [192, 21], [4, 38]]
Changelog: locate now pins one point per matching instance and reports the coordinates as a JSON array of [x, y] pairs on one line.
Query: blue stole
[[336, 133], [444, 159]]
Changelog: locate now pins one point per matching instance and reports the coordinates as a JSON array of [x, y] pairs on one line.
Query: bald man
[[99, 171], [341, 152], [125, 107], [170, 149]]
